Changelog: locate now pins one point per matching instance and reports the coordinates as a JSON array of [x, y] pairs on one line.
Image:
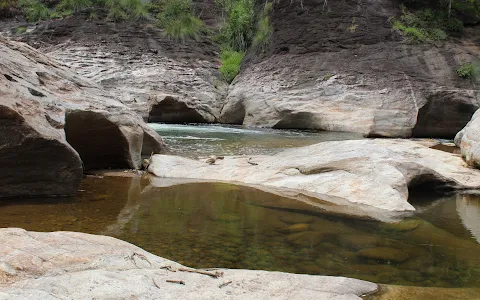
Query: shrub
[[34, 11], [466, 70], [122, 10], [237, 31], [231, 61], [70, 6], [178, 19], [20, 30], [426, 25], [264, 29]]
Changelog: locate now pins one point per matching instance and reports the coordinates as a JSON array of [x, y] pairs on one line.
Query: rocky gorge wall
[[342, 68], [338, 67], [177, 80], [54, 123]]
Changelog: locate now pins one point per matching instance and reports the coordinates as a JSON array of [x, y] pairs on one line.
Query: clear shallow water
[[205, 140], [223, 225]]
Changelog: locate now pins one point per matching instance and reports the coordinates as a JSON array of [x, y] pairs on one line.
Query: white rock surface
[[468, 139], [70, 265], [370, 176]]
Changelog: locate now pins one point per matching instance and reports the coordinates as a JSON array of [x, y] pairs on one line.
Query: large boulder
[[341, 67], [369, 178], [52, 120], [71, 265], [468, 139]]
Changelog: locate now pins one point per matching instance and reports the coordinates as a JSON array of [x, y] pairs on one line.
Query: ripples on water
[[205, 140], [223, 225]]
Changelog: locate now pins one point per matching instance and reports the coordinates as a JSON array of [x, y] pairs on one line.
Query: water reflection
[[468, 208], [222, 225]]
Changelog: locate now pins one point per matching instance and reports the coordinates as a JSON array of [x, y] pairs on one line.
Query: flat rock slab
[[362, 177], [70, 265]]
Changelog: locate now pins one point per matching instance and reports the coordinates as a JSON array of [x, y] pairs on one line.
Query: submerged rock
[[405, 225], [305, 238], [53, 120], [35, 265], [296, 218], [384, 253], [295, 228], [363, 177]]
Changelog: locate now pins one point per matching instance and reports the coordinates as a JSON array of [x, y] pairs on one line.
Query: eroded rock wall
[[138, 64], [341, 67], [40, 100]]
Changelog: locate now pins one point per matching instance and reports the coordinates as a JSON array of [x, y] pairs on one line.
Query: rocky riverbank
[[63, 265]]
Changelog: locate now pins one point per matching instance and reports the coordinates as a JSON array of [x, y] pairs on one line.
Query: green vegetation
[[238, 29], [20, 30], [242, 29], [467, 70], [118, 10], [231, 61], [178, 19], [68, 7], [264, 29], [353, 26], [35, 11], [123, 10], [427, 25]]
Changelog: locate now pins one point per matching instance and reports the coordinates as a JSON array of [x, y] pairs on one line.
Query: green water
[[221, 225], [204, 140]]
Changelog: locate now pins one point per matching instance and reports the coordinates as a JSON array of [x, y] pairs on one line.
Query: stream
[[207, 225]]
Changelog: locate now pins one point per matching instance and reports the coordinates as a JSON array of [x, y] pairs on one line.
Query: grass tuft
[[231, 61]]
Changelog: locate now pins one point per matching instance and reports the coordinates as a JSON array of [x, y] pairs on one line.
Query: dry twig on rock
[[156, 284], [176, 281], [132, 257], [225, 284], [216, 274]]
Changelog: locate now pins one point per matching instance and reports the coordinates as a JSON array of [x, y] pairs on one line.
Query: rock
[[53, 120], [384, 253], [366, 80], [296, 218], [139, 65], [468, 139], [405, 225], [35, 265], [295, 228], [359, 241], [304, 239], [364, 177]]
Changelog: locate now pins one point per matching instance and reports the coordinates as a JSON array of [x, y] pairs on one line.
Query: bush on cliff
[[178, 19], [230, 64], [34, 11], [426, 25], [237, 30]]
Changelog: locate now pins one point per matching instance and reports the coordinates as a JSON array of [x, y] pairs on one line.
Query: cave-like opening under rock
[[98, 140], [426, 188], [170, 110]]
